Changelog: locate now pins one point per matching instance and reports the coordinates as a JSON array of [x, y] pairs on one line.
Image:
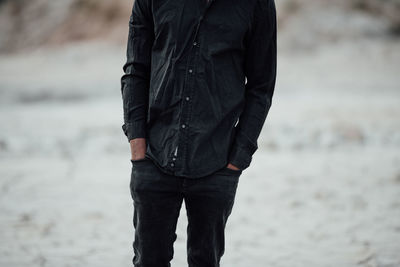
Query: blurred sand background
[[323, 189]]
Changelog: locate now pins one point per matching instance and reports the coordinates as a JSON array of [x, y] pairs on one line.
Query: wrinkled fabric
[[198, 81]]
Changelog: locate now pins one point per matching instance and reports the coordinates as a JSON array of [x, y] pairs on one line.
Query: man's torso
[[197, 83]]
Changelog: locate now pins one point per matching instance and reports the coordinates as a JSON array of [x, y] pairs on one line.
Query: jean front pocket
[[233, 171], [140, 171], [139, 160], [228, 171], [146, 158]]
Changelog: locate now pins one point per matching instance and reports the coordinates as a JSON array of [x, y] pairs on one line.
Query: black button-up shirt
[[199, 80]]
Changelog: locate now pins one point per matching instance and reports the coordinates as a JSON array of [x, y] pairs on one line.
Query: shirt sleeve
[[136, 79], [260, 71]]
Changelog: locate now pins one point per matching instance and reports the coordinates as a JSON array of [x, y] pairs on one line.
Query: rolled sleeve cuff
[[134, 130], [240, 157]]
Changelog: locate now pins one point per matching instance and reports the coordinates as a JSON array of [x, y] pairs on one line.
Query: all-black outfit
[[198, 85]]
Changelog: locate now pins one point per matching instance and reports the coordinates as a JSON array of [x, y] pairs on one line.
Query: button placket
[[188, 91]]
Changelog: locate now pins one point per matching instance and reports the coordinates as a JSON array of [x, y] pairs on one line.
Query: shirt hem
[[208, 172]]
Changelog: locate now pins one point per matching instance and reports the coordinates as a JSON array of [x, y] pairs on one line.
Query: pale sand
[[323, 189]]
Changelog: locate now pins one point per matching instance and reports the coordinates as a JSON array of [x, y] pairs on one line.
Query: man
[[198, 84]]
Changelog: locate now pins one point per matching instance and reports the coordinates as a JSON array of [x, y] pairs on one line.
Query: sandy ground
[[323, 189]]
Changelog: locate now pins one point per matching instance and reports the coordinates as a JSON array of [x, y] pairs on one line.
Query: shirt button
[[183, 125], [172, 164], [174, 159], [195, 43], [190, 70], [187, 98]]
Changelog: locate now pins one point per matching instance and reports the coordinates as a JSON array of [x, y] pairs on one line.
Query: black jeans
[[157, 199]]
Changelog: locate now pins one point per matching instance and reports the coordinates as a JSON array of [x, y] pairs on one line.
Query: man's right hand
[[138, 148]]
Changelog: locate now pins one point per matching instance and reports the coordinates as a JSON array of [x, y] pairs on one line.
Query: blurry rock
[[270, 145], [25, 218], [3, 145], [397, 178], [349, 132]]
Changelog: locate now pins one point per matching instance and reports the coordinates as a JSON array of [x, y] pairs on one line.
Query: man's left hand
[[233, 167]]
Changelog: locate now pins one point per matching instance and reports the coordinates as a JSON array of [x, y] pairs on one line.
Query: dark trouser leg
[[209, 201], [157, 202]]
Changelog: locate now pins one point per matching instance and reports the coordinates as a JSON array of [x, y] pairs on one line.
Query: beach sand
[[323, 189]]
